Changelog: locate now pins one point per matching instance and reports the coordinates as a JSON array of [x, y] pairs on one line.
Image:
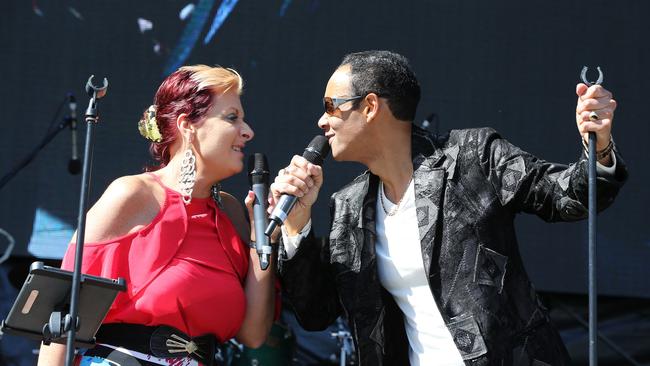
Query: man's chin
[[336, 154], [339, 156]]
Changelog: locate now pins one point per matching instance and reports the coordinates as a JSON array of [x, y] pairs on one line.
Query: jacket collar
[[424, 150], [433, 164]]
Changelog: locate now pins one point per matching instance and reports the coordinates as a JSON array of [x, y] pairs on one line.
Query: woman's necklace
[[395, 208]]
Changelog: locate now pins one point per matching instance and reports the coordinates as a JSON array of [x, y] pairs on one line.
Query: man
[[422, 257]]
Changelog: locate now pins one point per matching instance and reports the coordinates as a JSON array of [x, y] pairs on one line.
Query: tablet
[[47, 289]]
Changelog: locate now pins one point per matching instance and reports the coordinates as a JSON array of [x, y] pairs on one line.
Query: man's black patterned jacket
[[468, 185]]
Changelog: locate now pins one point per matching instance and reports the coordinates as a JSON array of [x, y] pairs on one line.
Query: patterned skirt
[[107, 355]]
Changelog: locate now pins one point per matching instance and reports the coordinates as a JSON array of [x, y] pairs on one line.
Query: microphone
[[74, 165], [259, 181], [315, 153]]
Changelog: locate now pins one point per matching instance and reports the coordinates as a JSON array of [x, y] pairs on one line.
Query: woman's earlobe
[[182, 123]]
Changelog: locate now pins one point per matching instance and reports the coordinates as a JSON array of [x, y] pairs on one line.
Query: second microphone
[[259, 181]]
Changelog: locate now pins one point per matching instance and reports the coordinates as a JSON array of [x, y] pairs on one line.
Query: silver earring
[[188, 176]]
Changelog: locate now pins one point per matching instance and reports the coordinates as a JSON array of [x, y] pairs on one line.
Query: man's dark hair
[[388, 75]]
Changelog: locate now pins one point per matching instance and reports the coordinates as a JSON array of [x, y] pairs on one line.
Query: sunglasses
[[332, 104]]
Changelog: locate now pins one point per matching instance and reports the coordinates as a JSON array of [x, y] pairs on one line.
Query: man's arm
[[306, 277], [554, 192], [309, 285]]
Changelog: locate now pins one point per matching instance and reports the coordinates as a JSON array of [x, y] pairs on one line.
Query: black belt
[[161, 341]]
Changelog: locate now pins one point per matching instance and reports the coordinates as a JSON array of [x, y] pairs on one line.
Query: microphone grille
[[259, 162], [72, 102], [317, 150], [258, 168]]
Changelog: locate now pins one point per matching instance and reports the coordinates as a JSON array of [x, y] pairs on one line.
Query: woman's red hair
[[190, 90]]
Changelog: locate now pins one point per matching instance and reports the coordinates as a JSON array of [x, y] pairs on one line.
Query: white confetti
[[144, 25], [186, 11], [75, 13]]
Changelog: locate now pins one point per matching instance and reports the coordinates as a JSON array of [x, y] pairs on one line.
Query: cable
[[10, 246]]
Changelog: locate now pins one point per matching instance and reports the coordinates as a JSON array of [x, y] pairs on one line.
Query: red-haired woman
[[181, 245]]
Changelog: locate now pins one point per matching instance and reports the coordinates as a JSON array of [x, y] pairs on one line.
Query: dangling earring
[[188, 175]]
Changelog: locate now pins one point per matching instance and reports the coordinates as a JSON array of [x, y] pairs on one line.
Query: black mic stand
[[91, 118], [28, 159], [593, 296], [592, 212], [52, 301]]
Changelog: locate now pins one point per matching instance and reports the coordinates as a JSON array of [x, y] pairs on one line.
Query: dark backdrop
[[508, 64]]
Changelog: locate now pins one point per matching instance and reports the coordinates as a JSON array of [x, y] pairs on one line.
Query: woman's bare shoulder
[[129, 203]]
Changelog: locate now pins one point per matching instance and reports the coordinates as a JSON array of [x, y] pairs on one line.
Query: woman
[[192, 281]]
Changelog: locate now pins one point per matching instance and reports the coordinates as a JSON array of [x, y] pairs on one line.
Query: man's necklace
[[395, 208]]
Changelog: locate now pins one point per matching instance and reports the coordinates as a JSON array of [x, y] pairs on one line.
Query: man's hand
[[598, 100], [303, 180]]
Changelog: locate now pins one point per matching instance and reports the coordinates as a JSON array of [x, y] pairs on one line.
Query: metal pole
[[593, 284], [91, 119], [81, 230], [593, 296]]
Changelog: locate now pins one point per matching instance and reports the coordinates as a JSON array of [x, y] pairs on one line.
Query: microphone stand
[[592, 212], [71, 320], [28, 159], [344, 339], [593, 297]]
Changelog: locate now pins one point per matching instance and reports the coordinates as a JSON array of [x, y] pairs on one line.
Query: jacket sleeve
[[554, 192], [308, 283]]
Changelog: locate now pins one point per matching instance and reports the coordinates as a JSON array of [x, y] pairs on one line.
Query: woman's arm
[[128, 204], [51, 355], [259, 285]]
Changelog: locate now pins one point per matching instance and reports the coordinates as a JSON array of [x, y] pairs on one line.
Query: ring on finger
[[593, 116]]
